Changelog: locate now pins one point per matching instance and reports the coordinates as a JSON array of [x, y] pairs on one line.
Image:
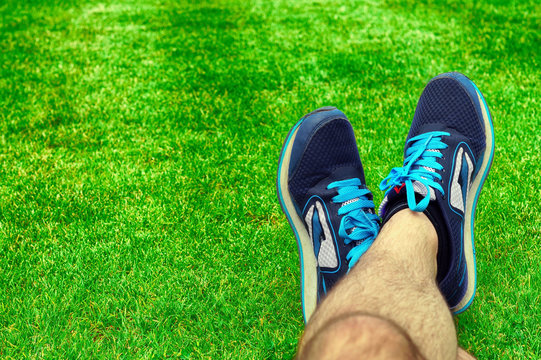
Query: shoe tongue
[[349, 202], [349, 172], [420, 189], [394, 201], [398, 196]]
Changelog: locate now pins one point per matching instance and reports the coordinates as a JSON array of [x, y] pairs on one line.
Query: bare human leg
[[389, 305]]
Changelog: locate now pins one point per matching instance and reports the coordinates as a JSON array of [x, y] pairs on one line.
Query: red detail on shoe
[[397, 189]]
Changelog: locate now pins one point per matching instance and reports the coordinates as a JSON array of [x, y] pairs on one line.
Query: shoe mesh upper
[[445, 101], [331, 147]]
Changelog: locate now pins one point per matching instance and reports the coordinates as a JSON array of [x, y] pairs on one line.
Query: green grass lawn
[[139, 144]]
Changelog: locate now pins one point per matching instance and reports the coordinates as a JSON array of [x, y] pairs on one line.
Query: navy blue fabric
[[448, 103], [331, 147], [310, 124], [324, 151], [445, 100], [319, 192], [452, 277]]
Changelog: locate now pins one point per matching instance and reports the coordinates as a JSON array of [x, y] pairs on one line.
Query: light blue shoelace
[[421, 157], [356, 225]]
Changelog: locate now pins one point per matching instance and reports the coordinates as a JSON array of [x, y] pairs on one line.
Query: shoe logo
[[460, 182], [397, 189], [320, 233]]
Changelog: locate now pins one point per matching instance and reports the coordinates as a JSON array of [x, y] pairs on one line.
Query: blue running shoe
[[322, 191], [447, 157]]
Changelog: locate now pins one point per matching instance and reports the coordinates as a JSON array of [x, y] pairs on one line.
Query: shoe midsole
[[308, 264]]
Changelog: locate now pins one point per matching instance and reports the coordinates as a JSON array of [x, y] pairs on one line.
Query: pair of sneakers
[[447, 157]]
